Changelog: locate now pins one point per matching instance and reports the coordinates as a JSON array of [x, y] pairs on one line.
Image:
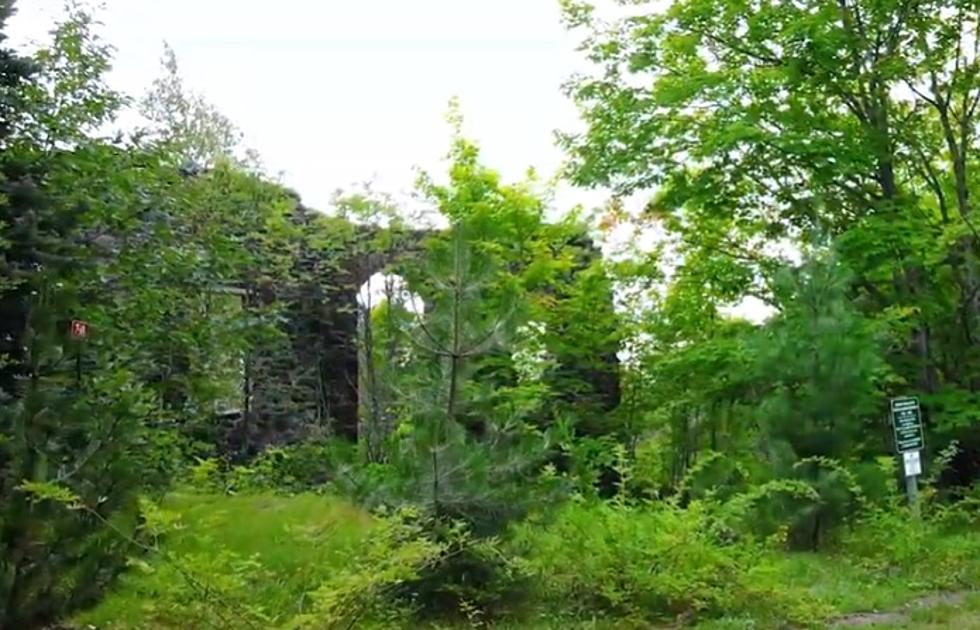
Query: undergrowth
[[310, 561]]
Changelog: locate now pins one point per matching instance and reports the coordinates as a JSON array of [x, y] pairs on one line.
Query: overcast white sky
[[335, 92]]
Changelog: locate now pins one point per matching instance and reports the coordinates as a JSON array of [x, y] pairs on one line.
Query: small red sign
[[79, 329]]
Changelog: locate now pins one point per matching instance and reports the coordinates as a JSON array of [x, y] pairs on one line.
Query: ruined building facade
[[309, 386]]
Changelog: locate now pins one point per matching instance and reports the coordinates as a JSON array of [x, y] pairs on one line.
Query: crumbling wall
[[309, 386]]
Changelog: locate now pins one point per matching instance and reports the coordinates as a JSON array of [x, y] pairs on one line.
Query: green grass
[[961, 612], [963, 615], [298, 541], [909, 597], [846, 586], [849, 588], [279, 549]]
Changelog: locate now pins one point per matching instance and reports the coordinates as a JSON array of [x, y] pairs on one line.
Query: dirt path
[[902, 615]]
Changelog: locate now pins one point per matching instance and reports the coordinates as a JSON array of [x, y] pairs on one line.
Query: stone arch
[[322, 326], [324, 344]]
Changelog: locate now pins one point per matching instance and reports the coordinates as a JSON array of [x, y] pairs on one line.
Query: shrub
[[646, 563], [201, 568], [713, 475], [480, 491], [286, 469], [890, 539], [806, 509], [962, 515], [295, 468], [400, 549], [53, 560], [650, 472]]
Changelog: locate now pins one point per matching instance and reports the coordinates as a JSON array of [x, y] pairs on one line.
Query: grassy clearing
[[864, 599], [944, 610], [846, 585], [860, 598], [962, 615], [295, 540], [278, 549]]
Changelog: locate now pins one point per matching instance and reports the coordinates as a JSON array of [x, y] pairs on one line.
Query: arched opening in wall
[[387, 311]]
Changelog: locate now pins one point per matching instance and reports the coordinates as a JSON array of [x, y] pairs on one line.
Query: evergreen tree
[[820, 361], [54, 426], [18, 194]]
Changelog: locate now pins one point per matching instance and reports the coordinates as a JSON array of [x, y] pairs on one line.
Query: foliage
[[399, 551], [542, 429], [466, 445], [55, 424], [820, 361], [302, 544], [205, 570], [380, 231], [891, 539], [758, 132], [647, 563], [303, 467], [107, 231], [193, 130], [799, 511]]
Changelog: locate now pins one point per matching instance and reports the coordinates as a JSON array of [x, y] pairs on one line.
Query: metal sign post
[[78, 331], [909, 441], [913, 468]]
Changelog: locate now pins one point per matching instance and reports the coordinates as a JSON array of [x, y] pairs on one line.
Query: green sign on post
[[909, 441], [907, 422]]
